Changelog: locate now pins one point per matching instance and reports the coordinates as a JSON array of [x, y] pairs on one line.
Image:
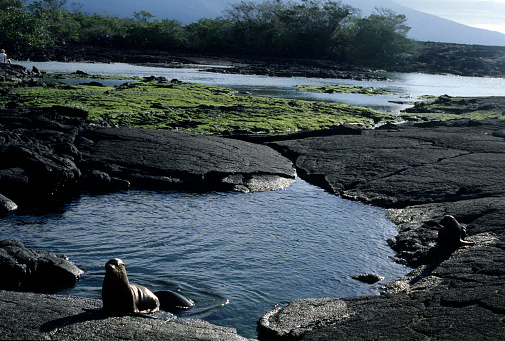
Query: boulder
[[369, 278], [31, 270], [7, 205]]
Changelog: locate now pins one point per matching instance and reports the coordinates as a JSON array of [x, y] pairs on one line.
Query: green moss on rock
[[193, 107], [333, 89]]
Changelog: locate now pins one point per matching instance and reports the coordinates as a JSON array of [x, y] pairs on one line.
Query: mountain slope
[[425, 27]]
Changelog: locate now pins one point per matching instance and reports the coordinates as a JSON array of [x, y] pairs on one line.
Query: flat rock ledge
[[419, 172], [31, 316], [50, 154]]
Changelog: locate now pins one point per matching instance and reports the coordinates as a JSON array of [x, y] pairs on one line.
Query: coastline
[[428, 57], [422, 172]]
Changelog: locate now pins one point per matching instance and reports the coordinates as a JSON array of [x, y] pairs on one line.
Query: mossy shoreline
[[334, 89], [157, 103], [445, 108]]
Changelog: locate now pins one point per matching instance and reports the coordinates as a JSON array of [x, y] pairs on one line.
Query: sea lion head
[[115, 268]]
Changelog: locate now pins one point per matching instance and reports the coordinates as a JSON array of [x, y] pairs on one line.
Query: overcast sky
[[487, 14]]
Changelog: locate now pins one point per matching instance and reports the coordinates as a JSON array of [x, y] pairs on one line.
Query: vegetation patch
[[334, 89], [447, 108], [307, 29], [191, 107]]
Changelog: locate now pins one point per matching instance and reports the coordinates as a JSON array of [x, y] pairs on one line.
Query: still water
[[236, 255], [406, 86]]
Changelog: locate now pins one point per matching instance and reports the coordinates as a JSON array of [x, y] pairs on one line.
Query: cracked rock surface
[[420, 172]]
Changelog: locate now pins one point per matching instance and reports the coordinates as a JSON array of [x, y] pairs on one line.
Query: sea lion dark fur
[[173, 302], [451, 233], [122, 298]]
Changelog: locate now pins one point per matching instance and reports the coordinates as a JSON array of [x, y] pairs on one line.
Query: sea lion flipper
[[171, 301]]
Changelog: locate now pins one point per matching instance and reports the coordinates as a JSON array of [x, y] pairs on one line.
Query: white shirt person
[[3, 57]]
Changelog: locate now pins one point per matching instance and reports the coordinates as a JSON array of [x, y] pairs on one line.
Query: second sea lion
[[451, 233]]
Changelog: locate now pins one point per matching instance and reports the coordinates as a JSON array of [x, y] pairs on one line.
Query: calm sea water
[[236, 255]]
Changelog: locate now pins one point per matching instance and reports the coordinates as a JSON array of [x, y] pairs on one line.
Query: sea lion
[[122, 298], [452, 233]]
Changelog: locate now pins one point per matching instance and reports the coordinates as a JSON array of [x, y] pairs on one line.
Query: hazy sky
[[487, 14]]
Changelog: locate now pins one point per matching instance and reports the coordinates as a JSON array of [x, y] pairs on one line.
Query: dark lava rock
[[30, 316], [24, 269], [37, 157], [421, 173], [153, 159], [50, 154], [368, 278], [14, 73], [410, 164]]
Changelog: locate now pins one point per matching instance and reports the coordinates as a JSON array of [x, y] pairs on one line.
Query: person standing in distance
[[3, 57]]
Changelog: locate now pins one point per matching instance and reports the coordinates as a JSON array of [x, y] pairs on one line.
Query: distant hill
[[425, 27]]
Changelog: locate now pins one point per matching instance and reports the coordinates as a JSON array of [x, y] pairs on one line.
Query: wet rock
[[92, 84], [369, 278], [81, 73], [24, 269], [98, 181], [300, 316]]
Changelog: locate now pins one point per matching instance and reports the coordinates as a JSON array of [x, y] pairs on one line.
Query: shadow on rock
[[68, 320]]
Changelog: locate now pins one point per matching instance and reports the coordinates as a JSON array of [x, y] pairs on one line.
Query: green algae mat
[[190, 107], [445, 108], [340, 89]]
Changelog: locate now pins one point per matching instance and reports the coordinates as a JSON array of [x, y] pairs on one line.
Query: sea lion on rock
[[122, 298], [452, 233]]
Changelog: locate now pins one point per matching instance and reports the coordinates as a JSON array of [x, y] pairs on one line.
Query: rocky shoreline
[[420, 172], [427, 57]]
